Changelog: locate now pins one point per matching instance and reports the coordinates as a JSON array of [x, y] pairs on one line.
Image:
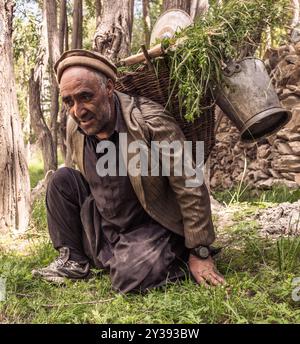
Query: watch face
[[203, 252]]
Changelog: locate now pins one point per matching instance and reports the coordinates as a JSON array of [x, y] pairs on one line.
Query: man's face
[[89, 103]]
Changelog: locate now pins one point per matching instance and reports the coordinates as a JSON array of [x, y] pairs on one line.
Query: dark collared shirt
[[115, 198]]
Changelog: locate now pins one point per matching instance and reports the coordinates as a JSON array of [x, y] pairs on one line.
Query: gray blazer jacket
[[183, 210]]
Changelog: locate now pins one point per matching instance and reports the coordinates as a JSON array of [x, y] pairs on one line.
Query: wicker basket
[[144, 82]]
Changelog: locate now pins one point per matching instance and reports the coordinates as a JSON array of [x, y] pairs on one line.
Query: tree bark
[[63, 131], [66, 32], [198, 8], [80, 26], [147, 22], [63, 32], [98, 12], [38, 123], [14, 176], [77, 25], [295, 6], [184, 5], [195, 8], [62, 24], [53, 47], [113, 34]]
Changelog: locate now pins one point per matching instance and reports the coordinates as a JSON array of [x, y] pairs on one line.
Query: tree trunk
[[53, 46], [39, 125], [184, 5], [195, 8], [80, 26], [63, 131], [14, 176], [113, 34], [66, 32], [98, 12], [77, 25], [147, 22], [62, 24], [63, 32], [295, 7], [198, 8]]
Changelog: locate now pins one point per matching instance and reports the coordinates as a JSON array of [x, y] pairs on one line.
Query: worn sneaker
[[63, 268]]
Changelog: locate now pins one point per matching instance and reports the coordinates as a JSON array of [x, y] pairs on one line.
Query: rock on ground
[[283, 219]]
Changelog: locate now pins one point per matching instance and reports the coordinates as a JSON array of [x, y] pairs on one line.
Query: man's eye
[[69, 102], [86, 96]]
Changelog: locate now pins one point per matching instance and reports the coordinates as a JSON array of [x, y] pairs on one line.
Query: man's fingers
[[219, 274], [209, 277], [212, 278], [201, 280], [219, 277], [215, 279]]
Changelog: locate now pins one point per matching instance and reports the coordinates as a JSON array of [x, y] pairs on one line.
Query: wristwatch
[[204, 252]]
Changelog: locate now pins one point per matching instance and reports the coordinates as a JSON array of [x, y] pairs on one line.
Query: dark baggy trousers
[[137, 259]]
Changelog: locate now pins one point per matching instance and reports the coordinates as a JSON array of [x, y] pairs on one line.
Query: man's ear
[[110, 87]]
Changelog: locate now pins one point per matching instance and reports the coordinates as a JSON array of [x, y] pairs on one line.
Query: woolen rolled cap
[[85, 58]]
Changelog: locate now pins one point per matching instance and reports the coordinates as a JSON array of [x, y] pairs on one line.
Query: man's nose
[[79, 110]]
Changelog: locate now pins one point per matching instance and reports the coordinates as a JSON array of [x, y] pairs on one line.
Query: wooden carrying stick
[[156, 51]]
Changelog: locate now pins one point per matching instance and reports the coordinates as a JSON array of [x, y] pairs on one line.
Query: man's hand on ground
[[204, 271]]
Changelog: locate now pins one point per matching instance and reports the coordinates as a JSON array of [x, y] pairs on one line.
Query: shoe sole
[[59, 279]]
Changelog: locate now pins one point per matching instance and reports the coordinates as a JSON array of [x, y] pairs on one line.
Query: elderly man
[[143, 230]]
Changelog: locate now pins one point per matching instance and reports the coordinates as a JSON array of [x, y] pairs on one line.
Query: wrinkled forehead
[[78, 73], [78, 79]]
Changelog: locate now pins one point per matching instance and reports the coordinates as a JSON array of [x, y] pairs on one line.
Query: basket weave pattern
[[144, 82]]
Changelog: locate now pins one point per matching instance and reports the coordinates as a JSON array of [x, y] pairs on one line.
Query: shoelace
[[58, 262]]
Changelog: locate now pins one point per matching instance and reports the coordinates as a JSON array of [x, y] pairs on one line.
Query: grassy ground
[[36, 171], [259, 273], [36, 168]]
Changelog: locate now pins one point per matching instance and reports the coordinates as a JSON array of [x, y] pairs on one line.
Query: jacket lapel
[[133, 133], [75, 144]]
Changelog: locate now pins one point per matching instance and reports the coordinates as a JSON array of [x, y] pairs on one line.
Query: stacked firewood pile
[[276, 159]]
